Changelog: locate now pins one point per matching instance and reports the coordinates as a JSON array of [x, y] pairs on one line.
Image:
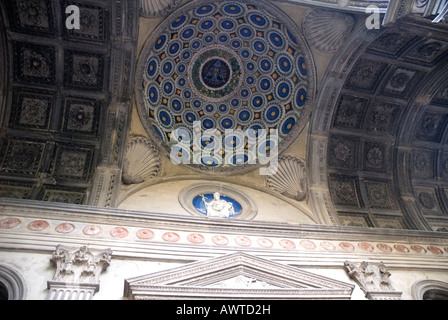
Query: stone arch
[[364, 130], [13, 284], [430, 290]]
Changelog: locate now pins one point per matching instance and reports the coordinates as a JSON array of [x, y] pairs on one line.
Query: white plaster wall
[[340, 275], [163, 198], [404, 280], [112, 280], [37, 269]]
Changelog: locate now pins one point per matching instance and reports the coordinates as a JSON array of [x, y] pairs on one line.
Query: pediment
[[238, 275]]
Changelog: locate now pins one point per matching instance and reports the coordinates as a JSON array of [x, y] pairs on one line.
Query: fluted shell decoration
[[326, 30], [290, 179], [142, 161], [157, 8]]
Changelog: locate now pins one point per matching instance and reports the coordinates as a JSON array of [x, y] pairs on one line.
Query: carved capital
[[77, 271], [373, 279]]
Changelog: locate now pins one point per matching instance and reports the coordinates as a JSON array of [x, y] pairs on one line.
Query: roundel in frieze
[[225, 71]]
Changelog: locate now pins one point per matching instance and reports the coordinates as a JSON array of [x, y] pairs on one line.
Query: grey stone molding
[[63, 291], [341, 5], [398, 9], [373, 279], [418, 289], [77, 272], [3, 68], [215, 279], [107, 179], [157, 8], [106, 187], [14, 283]]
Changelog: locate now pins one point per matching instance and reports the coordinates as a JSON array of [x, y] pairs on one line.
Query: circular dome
[[225, 70]]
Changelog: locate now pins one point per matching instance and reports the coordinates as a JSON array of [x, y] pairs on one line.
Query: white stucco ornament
[[218, 208]]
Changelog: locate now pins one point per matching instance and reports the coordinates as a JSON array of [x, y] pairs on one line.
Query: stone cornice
[[342, 5], [109, 216], [33, 226]]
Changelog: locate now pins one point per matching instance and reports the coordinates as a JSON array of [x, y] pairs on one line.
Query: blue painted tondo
[[198, 203]]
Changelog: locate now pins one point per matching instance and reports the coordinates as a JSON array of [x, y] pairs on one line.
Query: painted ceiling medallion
[[226, 65]]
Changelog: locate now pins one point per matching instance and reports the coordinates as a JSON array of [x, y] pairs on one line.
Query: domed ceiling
[[211, 67]]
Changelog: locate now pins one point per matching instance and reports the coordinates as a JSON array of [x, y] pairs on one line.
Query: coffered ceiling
[[386, 132], [58, 94], [376, 151]]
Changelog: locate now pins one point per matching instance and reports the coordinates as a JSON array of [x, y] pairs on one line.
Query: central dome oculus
[[215, 73]]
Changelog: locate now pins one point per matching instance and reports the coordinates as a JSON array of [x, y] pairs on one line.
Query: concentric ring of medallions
[[230, 65]]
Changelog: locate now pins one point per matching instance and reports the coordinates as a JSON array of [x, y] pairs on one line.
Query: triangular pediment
[[237, 275]]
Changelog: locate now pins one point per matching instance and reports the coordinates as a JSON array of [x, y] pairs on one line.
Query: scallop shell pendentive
[[326, 30], [142, 161], [290, 178], [157, 8]]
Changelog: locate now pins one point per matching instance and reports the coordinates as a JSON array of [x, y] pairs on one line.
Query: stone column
[[77, 273], [373, 279]]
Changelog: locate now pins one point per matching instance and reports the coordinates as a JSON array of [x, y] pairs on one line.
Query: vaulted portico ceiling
[[67, 102], [63, 100], [236, 276], [384, 134]]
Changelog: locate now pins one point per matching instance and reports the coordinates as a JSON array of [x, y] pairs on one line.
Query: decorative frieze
[[220, 239]]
